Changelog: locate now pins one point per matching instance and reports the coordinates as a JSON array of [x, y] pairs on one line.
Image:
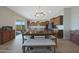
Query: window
[[20, 25]]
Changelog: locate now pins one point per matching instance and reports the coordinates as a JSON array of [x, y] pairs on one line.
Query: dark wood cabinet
[[6, 35], [39, 23], [57, 20], [60, 34]]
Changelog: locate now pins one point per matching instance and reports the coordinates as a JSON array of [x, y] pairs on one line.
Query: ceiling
[[29, 11]]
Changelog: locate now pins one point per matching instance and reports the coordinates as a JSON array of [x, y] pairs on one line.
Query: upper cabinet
[[57, 20], [39, 23]]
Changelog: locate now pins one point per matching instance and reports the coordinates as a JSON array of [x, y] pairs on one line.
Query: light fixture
[[39, 13]]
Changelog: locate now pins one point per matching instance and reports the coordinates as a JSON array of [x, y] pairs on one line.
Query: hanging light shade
[[39, 13]]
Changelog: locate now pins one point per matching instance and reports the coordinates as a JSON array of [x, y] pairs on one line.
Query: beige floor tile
[[15, 46]]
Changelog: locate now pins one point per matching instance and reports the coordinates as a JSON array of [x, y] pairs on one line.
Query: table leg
[[50, 48], [23, 48], [28, 49], [56, 42], [54, 49]]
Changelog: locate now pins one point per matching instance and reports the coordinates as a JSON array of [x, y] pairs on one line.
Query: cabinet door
[[5, 36], [13, 34], [61, 20], [0, 37], [10, 35], [57, 21], [60, 34]]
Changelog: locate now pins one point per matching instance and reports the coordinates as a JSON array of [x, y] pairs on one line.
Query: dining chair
[[53, 38], [24, 37]]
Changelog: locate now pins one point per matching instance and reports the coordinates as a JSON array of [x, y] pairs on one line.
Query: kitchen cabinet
[[60, 34], [57, 20], [6, 35]]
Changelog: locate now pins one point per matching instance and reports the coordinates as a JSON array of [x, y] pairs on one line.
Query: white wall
[[8, 17], [59, 13], [75, 18], [67, 23], [71, 20]]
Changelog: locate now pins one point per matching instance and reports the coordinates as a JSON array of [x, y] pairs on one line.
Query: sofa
[[74, 36]]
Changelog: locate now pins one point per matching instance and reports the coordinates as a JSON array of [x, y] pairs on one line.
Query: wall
[[71, 20], [8, 17], [59, 13], [75, 18], [67, 23]]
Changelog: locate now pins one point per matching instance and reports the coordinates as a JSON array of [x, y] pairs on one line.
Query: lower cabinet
[[74, 37], [5, 36], [60, 34]]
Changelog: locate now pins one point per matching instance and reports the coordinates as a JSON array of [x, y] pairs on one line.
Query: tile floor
[[15, 46]]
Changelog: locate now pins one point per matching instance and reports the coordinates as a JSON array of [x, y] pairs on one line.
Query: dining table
[[46, 33]]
